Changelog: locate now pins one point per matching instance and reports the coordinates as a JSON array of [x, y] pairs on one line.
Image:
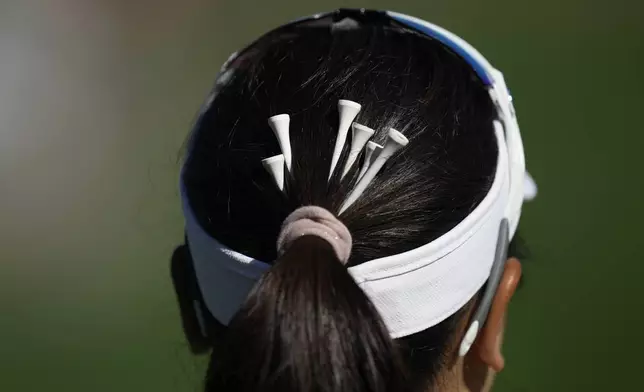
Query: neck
[[466, 375]]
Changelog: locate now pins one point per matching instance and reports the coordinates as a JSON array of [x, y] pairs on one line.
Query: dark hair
[[306, 325]]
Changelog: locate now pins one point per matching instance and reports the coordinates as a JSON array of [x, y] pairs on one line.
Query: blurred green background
[[96, 99]]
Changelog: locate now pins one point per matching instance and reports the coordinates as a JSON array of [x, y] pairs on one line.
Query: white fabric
[[529, 188]]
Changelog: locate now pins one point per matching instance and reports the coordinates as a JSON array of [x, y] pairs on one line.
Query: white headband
[[414, 290]]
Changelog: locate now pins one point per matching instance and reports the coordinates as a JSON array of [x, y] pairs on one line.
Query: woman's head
[[306, 323]]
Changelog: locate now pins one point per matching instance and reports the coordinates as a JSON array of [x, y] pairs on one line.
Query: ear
[[488, 344], [185, 288]]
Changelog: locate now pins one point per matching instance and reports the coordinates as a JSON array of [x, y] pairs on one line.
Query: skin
[[476, 371]]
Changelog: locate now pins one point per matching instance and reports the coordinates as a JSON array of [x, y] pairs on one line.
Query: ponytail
[[307, 327]]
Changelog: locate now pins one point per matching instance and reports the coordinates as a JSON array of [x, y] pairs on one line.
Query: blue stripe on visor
[[478, 68]]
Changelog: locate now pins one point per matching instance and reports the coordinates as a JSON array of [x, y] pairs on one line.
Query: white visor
[[414, 290]]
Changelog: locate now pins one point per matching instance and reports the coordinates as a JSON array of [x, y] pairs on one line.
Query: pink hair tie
[[313, 220]]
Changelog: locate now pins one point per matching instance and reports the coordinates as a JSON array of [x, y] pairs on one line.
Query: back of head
[[306, 325]]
